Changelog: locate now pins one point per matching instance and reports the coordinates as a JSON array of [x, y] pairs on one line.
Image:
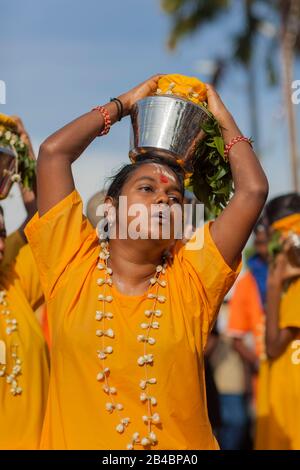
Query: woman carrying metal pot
[[130, 318], [24, 367]]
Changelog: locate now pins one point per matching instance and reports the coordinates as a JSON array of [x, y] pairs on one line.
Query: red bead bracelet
[[234, 141], [106, 117]]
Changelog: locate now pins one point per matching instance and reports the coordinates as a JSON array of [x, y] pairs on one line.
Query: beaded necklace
[[11, 328], [145, 385]]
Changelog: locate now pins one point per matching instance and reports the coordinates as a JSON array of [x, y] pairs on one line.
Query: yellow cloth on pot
[[190, 88], [7, 122]]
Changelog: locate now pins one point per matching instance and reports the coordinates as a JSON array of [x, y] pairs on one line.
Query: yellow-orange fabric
[[190, 88], [278, 404], [7, 123], [13, 243], [291, 223], [45, 325], [66, 249], [21, 416]]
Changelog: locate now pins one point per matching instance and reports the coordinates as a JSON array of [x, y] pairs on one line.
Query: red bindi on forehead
[[164, 179]]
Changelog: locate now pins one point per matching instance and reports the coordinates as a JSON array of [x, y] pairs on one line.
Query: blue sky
[[60, 58]]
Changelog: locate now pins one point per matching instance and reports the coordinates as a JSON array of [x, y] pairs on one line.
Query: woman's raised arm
[[61, 149], [233, 227]]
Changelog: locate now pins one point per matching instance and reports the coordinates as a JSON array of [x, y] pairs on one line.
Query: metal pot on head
[[167, 126]]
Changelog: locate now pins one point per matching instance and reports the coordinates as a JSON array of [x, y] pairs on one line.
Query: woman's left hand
[[217, 107], [139, 92]]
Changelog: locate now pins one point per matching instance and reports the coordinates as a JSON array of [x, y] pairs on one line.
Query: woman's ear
[[110, 210], [108, 205], [106, 226]]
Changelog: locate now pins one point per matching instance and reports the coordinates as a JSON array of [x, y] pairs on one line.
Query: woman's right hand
[[140, 91], [218, 108]]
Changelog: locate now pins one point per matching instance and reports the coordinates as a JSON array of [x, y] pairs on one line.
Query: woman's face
[[2, 237], [154, 203]]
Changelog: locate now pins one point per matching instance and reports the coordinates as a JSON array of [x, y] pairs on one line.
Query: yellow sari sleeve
[[59, 241], [214, 275], [25, 269]]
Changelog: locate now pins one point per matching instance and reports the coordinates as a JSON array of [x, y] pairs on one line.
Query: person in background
[[232, 381], [213, 401], [24, 364], [246, 323], [278, 403], [15, 240], [247, 304]]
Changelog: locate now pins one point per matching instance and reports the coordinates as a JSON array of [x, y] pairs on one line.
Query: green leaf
[[217, 176], [219, 142]]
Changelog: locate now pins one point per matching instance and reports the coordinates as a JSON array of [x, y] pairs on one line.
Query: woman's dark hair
[[122, 176], [282, 206]]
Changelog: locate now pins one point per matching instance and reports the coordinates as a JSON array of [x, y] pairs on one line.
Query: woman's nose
[[162, 198]]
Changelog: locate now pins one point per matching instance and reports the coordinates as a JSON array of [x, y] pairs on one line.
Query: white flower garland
[[11, 328], [144, 360]]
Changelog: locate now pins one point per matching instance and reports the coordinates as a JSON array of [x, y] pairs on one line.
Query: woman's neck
[[133, 265]]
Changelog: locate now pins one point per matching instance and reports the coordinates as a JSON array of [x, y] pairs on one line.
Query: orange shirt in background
[[246, 313]]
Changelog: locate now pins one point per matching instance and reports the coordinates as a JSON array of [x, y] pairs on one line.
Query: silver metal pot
[[166, 126]]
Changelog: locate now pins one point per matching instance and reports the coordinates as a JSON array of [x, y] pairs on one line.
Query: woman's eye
[[174, 199], [146, 188]]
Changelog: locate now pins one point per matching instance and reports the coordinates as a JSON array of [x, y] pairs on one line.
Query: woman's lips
[[161, 219], [162, 214]]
